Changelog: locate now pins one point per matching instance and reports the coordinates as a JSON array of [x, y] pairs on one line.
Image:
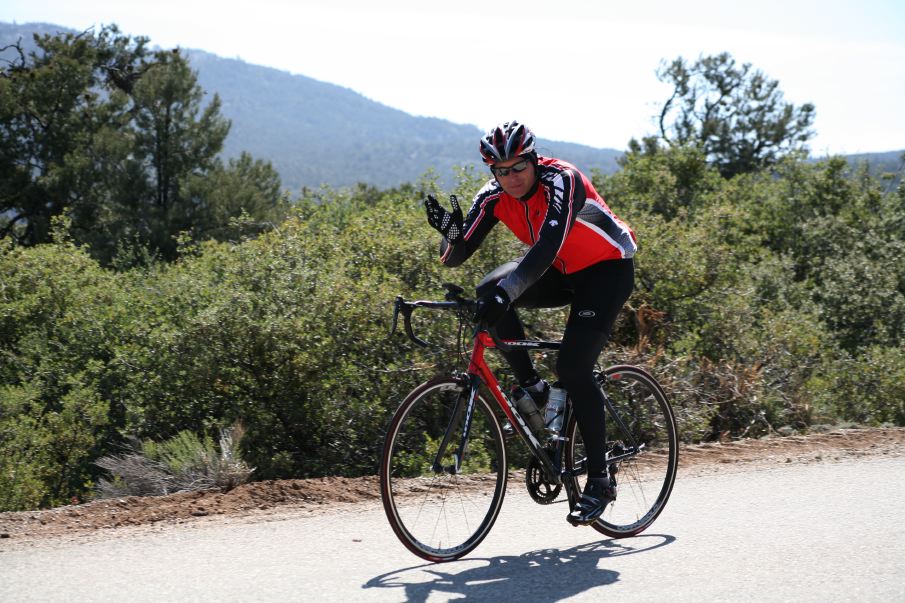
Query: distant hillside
[[318, 133], [315, 132], [890, 164]]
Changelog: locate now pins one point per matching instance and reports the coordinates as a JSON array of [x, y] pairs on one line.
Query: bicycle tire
[[440, 516], [644, 482]]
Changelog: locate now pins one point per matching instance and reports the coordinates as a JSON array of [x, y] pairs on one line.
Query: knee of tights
[[573, 376]]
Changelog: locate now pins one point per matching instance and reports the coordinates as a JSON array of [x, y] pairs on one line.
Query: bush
[[61, 317], [749, 308], [182, 463], [867, 389]]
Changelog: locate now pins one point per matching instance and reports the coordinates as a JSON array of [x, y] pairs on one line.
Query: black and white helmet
[[506, 141]]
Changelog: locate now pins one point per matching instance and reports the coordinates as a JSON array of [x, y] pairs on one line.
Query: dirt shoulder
[[299, 497]]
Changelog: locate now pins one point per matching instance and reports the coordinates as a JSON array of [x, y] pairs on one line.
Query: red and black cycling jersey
[[565, 221]]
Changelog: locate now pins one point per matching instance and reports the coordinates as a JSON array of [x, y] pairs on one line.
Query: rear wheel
[[440, 514], [644, 481]]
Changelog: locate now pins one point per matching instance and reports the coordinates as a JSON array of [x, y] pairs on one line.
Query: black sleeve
[[566, 195], [478, 222]]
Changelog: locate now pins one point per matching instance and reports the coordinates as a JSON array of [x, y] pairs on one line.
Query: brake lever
[[407, 314], [396, 307], [400, 307]]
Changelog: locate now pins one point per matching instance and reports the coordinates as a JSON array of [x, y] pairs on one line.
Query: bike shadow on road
[[541, 575]]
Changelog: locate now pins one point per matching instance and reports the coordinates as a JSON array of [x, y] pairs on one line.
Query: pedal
[[575, 523]]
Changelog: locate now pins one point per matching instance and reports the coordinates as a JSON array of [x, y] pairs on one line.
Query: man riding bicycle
[[580, 253]]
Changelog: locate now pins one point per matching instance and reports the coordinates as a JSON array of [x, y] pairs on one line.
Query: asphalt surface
[[818, 532]]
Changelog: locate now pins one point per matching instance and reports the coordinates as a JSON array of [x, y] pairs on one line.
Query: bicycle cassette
[[541, 491]]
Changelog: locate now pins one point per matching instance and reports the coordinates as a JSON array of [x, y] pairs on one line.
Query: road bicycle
[[443, 469]]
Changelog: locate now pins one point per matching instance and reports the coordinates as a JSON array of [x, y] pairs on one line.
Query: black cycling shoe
[[598, 493]]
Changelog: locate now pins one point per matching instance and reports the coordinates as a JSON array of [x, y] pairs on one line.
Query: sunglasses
[[501, 172]]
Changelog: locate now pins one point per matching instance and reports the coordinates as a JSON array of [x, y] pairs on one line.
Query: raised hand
[[449, 224]]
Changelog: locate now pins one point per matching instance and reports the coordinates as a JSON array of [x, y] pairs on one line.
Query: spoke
[[446, 515]]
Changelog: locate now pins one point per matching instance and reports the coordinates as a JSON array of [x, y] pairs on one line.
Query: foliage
[[60, 321], [868, 388], [735, 114], [121, 140], [748, 308], [50, 110], [772, 299], [751, 291], [182, 463]]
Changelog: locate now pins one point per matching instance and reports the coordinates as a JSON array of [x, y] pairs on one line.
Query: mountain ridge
[[300, 117], [317, 133]]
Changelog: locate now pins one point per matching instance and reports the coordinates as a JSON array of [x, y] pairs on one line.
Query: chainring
[[541, 491]]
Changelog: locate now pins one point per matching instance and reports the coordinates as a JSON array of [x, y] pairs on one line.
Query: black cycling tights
[[596, 295]]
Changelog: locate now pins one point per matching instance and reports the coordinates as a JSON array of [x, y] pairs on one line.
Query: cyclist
[[579, 253]]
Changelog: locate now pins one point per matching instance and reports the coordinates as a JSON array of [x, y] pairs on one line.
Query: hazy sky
[[573, 70]]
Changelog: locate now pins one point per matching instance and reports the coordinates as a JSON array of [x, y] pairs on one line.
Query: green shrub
[[867, 389], [751, 307], [185, 462], [61, 318]]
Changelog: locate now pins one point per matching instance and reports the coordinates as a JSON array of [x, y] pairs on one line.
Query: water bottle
[[528, 409], [556, 404]]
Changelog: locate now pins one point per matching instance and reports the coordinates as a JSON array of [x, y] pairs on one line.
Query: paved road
[[827, 532]]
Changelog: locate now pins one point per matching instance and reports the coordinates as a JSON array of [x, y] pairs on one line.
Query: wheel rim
[[441, 516], [644, 482]]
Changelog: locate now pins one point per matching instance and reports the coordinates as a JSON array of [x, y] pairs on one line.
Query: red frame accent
[[478, 366]]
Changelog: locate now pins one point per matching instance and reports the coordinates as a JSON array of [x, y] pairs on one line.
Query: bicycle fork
[[464, 405]]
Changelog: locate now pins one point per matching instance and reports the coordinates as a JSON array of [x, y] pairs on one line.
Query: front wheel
[[440, 513], [640, 423]]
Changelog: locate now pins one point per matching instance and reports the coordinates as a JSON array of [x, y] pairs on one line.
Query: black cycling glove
[[449, 224], [491, 306]]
